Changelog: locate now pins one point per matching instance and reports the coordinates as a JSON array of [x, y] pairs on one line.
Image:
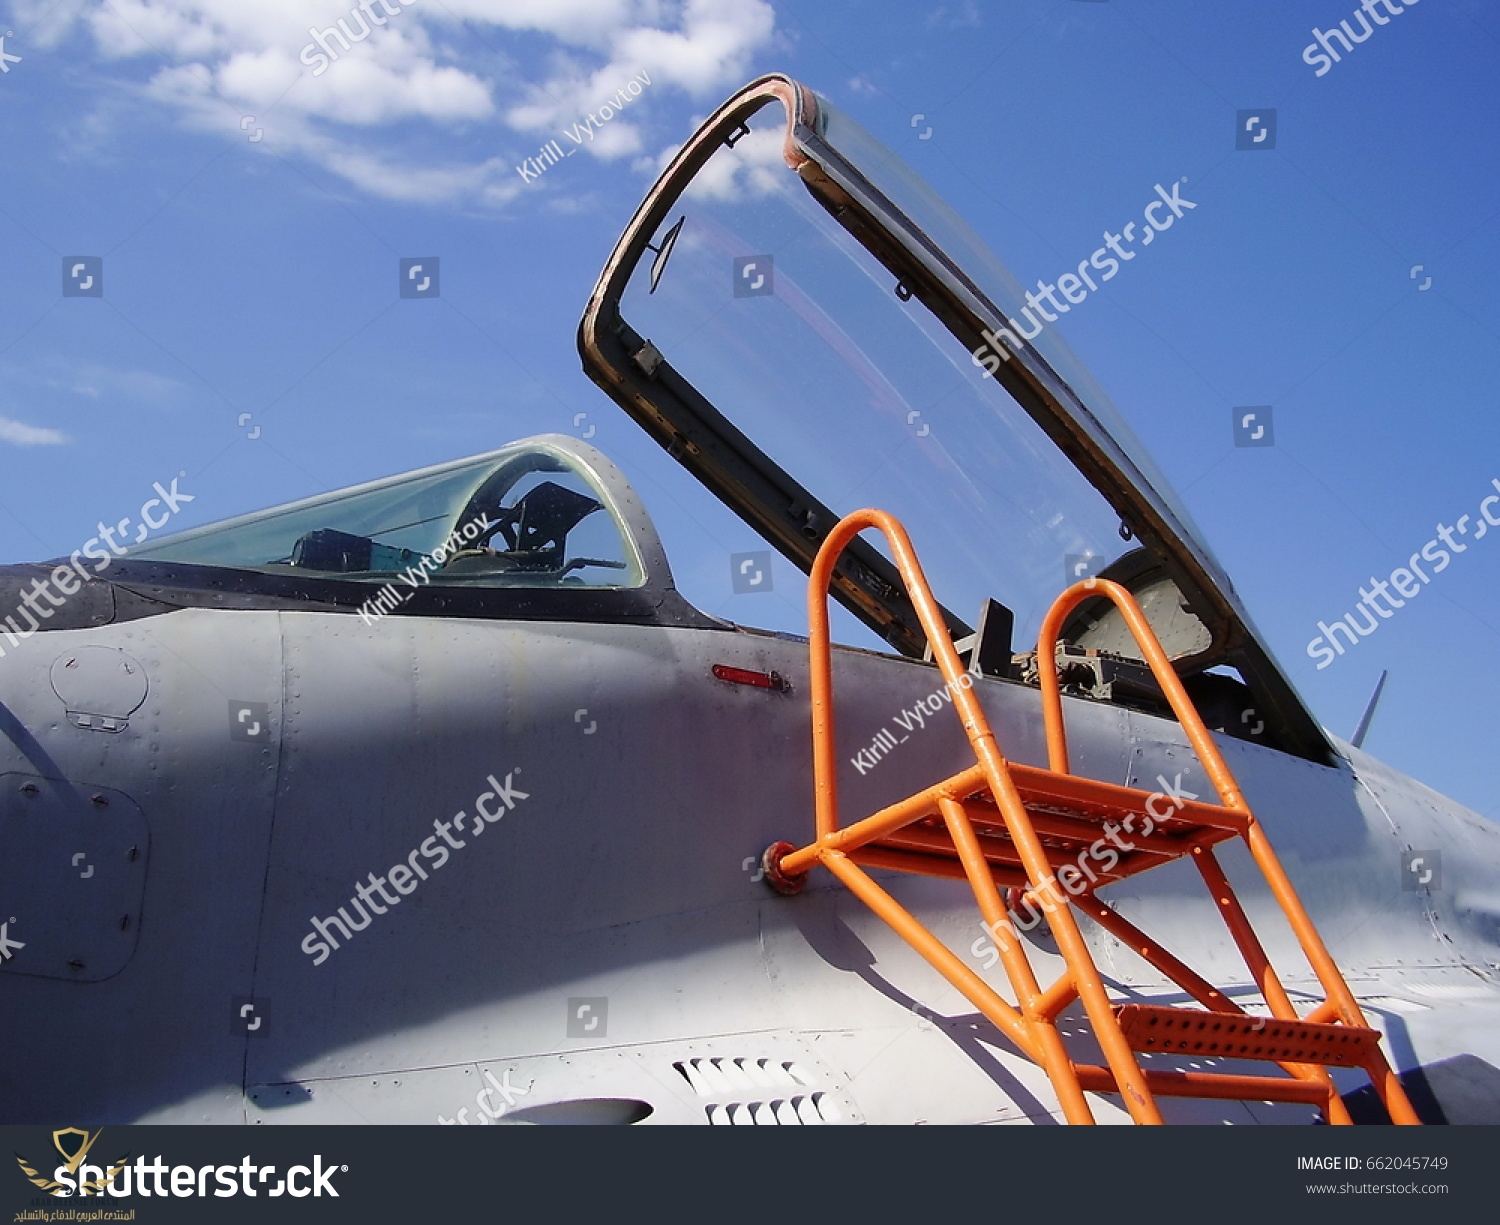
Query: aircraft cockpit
[[534, 514], [547, 528]]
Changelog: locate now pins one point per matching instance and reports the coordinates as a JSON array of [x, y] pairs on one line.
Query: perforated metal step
[[1184, 1031]]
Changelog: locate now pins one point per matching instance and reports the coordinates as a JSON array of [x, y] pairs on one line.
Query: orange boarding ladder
[[1001, 825]]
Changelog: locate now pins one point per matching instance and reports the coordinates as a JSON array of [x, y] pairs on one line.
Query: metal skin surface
[[622, 874]]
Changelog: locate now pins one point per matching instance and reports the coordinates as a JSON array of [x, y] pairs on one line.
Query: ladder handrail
[[820, 656], [1161, 668], [1282, 890]]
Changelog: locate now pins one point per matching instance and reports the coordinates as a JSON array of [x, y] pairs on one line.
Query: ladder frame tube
[[1053, 1002], [1387, 1084], [1161, 668], [917, 864], [1056, 1059], [1263, 973], [1216, 1085], [1133, 938], [1051, 1056], [878, 825], [1002, 1015]]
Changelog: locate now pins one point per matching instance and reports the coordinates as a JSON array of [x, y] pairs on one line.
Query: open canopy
[[809, 329]]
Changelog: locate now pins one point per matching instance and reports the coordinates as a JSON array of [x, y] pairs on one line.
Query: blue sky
[[258, 276]]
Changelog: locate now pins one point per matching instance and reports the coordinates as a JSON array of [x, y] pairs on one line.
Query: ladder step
[[1185, 1031], [1096, 802]]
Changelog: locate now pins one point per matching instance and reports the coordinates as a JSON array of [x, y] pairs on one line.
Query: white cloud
[[324, 77], [754, 167], [19, 434], [119, 385], [958, 17]]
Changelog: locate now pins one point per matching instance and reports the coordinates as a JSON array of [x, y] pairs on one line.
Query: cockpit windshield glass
[[525, 516], [932, 215], [800, 338]]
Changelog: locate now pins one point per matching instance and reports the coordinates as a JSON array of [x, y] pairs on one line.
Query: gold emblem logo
[[71, 1162]]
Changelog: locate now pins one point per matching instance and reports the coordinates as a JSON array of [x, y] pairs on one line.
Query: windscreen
[[1031, 317], [800, 337]]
